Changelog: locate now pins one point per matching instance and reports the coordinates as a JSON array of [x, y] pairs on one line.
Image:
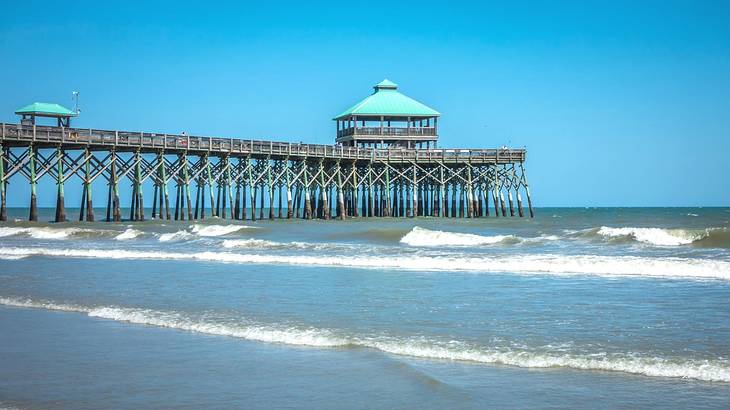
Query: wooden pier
[[247, 179]]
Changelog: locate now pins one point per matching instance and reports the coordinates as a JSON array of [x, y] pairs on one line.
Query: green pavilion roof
[[46, 110], [389, 102]]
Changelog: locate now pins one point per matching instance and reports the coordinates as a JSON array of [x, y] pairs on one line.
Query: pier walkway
[[303, 179]]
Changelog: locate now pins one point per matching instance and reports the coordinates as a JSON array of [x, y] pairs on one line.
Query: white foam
[[709, 370], [653, 236], [265, 244], [42, 232], [128, 234], [174, 236], [538, 263], [12, 257], [251, 243], [648, 366], [427, 238], [216, 230]]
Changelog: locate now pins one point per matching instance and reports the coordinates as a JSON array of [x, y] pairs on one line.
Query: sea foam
[[47, 232], [216, 230], [422, 347], [427, 238], [653, 236], [174, 236], [128, 234], [528, 263]]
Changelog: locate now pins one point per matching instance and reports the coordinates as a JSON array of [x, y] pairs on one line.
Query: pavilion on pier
[[388, 118], [29, 113]]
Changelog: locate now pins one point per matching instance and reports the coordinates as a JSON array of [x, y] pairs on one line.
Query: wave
[[202, 231], [217, 230], [713, 237], [653, 236], [427, 238], [707, 370], [12, 257], [174, 236], [537, 263], [252, 243], [52, 233], [128, 234]]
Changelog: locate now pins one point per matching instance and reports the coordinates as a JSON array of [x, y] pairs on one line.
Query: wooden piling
[[60, 202], [414, 191], [388, 211], [197, 199], [116, 206], [213, 212], [33, 214], [501, 202], [511, 207], [270, 183], [261, 204], [87, 186], [229, 186], [138, 181], [186, 182], [289, 209], [3, 186]]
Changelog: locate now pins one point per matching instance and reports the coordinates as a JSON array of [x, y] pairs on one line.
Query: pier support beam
[[116, 206], [289, 209], [60, 176], [270, 183], [3, 186], [209, 174], [33, 214]]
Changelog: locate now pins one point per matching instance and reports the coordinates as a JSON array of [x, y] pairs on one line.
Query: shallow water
[[623, 306]]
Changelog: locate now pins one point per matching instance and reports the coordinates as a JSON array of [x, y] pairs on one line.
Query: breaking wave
[[252, 243], [52, 233], [427, 238], [717, 370], [708, 237], [202, 231], [217, 230], [128, 234], [174, 236], [530, 263]]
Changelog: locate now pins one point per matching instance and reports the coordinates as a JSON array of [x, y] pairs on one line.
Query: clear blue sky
[[618, 103]]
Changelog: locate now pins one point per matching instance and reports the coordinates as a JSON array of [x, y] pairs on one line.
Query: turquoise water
[[576, 308]]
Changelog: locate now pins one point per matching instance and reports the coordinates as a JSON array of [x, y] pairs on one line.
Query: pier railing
[[126, 141], [388, 131]]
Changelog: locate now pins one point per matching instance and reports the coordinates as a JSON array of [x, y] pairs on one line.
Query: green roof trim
[[46, 110], [389, 102], [386, 84]]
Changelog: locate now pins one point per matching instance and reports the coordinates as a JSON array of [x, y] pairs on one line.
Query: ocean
[[576, 308]]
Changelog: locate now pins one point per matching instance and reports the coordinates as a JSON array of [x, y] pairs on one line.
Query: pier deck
[[367, 182], [126, 141]]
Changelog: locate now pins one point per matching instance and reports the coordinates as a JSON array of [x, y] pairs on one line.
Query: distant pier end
[[384, 164]]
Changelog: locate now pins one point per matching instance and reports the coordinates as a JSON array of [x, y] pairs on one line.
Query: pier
[[374, 170]]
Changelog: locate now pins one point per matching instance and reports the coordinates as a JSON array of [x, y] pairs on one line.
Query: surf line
[[430, 349], [629, 266]]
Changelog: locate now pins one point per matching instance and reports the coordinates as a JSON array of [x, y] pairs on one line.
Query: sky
[[618, 103]]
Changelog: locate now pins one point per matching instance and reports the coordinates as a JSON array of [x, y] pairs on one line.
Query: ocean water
[[600, 308]]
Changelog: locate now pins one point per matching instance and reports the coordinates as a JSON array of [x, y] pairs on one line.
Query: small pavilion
[[388, 118], [48, 110]]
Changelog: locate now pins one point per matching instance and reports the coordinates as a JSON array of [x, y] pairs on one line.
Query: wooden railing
[[388, 131], [76, 138]]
